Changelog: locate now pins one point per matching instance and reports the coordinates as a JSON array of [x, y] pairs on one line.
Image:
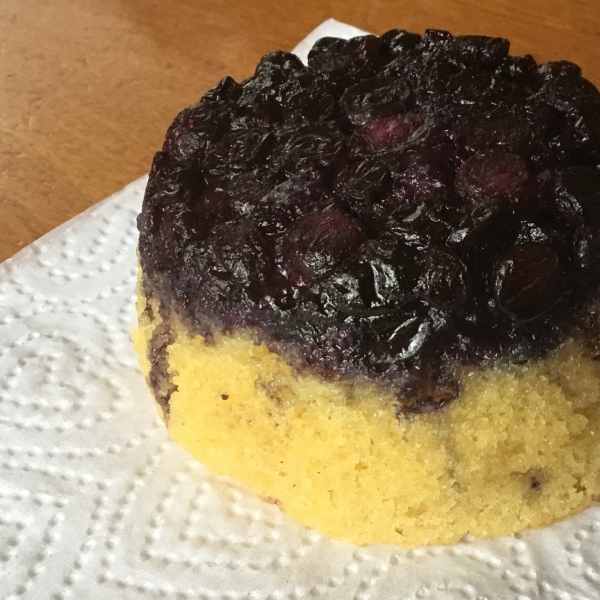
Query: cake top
[[400, 205]]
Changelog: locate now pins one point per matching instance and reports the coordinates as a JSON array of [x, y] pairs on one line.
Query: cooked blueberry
[[318, 242], [369, 180], [399, 40], [523, 71], [578, 194], [486, 224], [239, 151], [390, 273], [482, 51], [169, 176], [560, 68], [258, 104], [424, 178], [586, 245], [323, 51], [437, 41], [372, 98], [527, 129], [390, 284], [365, 47], [401, 335], [578, 101], [287, 202], [346, 63], [347, 290], [311, 149], [232, 262], [214, 204], [470, 89], [398, 207], [245, 187], [307, 100], [361, 184], [332, 346], [485, 177], [227, 90], [276, 63], [527, 280], [193, 133], [444, 278], [385, 132]]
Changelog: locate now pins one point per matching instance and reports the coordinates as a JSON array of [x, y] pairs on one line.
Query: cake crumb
[[276, 501]]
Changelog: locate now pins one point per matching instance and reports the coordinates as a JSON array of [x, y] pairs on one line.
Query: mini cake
[[369, 287]]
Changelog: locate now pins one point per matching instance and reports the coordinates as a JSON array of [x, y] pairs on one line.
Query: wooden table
[[90, 86]]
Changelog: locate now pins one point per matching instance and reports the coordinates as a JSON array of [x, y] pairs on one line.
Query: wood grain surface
[[90, 86]]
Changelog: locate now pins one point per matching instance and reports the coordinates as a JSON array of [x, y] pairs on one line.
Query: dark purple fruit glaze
[[401, 205]]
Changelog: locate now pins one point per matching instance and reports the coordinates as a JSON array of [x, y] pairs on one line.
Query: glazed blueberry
[[527, 280], [318, 242], [484, 177], [384, 132], [403, 335], [375, 97], [577, 193], [362, 185], [444, 277], [396, 207]]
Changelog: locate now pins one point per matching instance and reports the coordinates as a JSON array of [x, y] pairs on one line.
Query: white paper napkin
[[97, 503]]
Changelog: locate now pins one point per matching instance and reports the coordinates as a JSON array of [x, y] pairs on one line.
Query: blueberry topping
[[527, 280], [372, 98], [397, 207], [396, 130], [318, 242], [484, 177], [444, 277]]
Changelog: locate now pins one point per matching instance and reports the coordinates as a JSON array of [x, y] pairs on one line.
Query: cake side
[[519, 450], [370, 284]]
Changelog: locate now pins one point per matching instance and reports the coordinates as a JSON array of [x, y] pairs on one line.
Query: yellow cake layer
[[518, 449]]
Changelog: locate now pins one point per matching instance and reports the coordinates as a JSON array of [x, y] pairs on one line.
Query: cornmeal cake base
[[518, 451]]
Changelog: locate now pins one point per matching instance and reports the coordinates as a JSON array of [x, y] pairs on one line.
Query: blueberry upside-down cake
[[369, 286]]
